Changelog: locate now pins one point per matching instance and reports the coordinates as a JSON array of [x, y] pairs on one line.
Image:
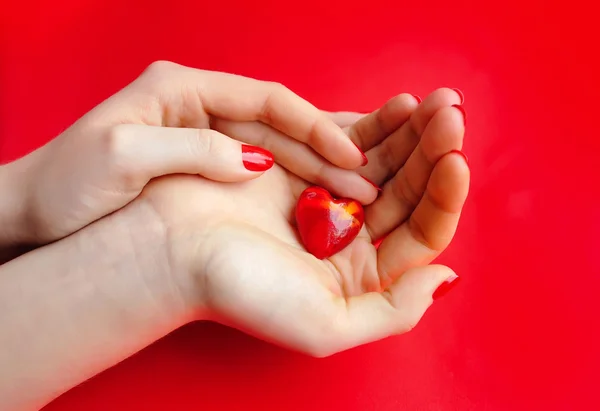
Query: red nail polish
[[256, 158], [460, 94], [462, 154], [462, 110], [364, 156], [372, 183], [446, 286], [419, 99]]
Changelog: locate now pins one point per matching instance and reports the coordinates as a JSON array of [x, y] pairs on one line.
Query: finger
[[433, 223], [300, 159], [376, 126], [389, 156], [374, 316], [186, 95], [344, 118], [141, 153], [403, 192]]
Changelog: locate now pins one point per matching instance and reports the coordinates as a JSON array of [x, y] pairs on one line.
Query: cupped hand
[[252, 272]]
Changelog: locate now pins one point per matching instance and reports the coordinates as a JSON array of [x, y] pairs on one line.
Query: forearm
[[76, 307]]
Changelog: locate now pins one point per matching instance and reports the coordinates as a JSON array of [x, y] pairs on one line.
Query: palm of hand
[[263, 212], [256, 270]]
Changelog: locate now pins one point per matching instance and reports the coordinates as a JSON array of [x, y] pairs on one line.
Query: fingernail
[[462, 154], [464, 113], [446, 286], [256, 158], [460, 94], [372, 183], [364, 156], [419, 99]]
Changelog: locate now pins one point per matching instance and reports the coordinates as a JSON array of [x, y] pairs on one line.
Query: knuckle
[[409, 324], [385, 158], [320, 352], [319, 175], [325, 335], [419, 234], [405, 192], [317, 348], [431, 238], [201, 143], [114, 142], [331, 335], [278, 88], [117, 150], [405, 320], [275, 92], [158, 77], [159, 69]]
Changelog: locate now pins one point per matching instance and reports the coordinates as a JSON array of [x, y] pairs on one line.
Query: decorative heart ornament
[[327, 225]]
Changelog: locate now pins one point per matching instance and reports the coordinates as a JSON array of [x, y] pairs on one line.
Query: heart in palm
[[247, 232]]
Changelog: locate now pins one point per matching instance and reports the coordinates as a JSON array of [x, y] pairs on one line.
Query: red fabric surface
[[521, 330]]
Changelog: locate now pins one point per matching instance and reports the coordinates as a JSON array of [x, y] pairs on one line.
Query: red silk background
[[520, 332]]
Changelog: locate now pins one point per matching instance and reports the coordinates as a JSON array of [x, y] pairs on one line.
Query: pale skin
[[70, 309]]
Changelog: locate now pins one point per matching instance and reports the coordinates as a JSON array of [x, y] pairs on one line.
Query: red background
[[521, 330]]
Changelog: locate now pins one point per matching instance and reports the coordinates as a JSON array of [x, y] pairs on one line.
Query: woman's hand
[[254, 274], [189, 248], [164, 123]]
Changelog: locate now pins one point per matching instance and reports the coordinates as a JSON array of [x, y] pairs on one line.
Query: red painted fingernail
[[364, 156], [446, 286], [372, 183], [256, 158], [460, 94], [419, 99], [462, 110], [462, 154]]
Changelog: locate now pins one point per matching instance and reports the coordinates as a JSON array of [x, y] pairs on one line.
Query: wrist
[[97, 297], [159, 255]]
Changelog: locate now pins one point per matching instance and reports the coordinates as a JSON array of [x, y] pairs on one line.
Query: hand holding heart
[[226, 234], [244, 244], [243, 249]]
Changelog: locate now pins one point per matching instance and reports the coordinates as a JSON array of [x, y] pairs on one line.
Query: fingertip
[[437, 100], [453, 165], [349, 184], [463, 112], [371, 195], [363, 157], [460, 95], [449, 182], [337, 147], [463, 155], [444, 97], [375, 186]]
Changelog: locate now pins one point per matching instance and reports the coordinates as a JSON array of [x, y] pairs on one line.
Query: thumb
[[398, 309], [157, 151]]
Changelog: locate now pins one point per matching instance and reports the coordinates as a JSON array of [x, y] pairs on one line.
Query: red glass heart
[[327, 225]]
